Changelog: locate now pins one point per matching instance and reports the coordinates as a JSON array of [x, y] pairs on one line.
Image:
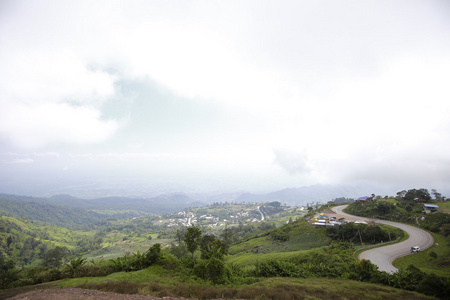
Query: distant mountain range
[[156, 205], [304, 195], [64, 209], [72, 212]]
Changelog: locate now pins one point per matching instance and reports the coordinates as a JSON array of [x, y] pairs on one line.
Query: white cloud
[[392, 127], [339, 93], [50, 92], [49, 98], [21, 161], [42, 124], [32, 77]]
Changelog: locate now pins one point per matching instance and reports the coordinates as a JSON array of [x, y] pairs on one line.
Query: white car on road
[[415, 249]]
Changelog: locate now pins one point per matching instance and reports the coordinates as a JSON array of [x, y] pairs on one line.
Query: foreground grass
[[426, 261], [162, 283]]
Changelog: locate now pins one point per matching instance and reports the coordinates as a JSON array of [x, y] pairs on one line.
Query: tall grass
[[275, 288]]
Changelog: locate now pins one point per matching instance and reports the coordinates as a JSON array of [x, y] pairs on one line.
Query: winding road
[[384, 256], [262, 215]]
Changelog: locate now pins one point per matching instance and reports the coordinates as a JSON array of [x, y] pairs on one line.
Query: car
[[415, 249]]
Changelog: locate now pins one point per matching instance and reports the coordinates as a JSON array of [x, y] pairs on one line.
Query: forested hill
[[156, 205], [67, 217]]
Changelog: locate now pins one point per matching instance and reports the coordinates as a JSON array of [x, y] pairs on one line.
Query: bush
[[92, 270], [212, 269], [74, 265], [152, 255], [277, 268], [42, 274], [434, 286], [279, 235], [364, 270], [179, 251], [168, 261], [433, 254], [434, 222]]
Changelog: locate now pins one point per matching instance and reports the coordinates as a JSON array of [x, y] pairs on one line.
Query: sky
[[223, 95]]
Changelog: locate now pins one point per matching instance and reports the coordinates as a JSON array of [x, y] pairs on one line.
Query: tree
[[74, 265], [401, 194], [206, 245], [436, 195], [279, 234], [192, 240], [212, 269], [54, 257], [227, 236], [180, 235], [152, 255], [412, 194], [210, 247], [8, 272]]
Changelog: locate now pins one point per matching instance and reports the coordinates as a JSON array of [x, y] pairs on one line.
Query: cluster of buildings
[[184, 218], [323, 220]]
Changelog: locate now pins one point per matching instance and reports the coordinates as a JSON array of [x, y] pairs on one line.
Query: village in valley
[[219, 215]]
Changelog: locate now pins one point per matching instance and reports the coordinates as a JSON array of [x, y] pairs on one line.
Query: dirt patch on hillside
[[81, 294], [85, 294]]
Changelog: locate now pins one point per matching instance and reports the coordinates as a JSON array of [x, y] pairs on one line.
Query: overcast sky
[[246, 95]]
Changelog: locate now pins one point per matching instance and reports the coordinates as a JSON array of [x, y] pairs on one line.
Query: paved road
[[384, 256], [262, 215]]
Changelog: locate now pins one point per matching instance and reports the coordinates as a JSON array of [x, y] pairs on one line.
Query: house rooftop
[[430, 206]]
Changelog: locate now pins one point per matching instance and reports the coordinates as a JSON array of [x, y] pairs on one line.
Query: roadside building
[[429, 208], [364, 199]]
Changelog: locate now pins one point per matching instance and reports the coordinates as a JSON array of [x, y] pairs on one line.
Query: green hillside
[[26, 243], [50, 214], [249, 251], [157, 205]]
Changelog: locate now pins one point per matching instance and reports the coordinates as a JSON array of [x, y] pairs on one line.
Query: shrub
[[433, 254], [92, 270], [364, 270], [42, 274], [275, 268], [435, 221], [279, 235], [212, 269], [72, 266], [434, 286], [152, 255], [408, 279]]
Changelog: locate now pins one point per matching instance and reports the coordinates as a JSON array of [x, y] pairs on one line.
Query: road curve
[[262, 215], [384, 256]]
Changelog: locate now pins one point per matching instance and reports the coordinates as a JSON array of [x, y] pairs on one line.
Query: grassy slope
[[301, 239], [444, 206], [426, 263], [157, 281], [250, 259]]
